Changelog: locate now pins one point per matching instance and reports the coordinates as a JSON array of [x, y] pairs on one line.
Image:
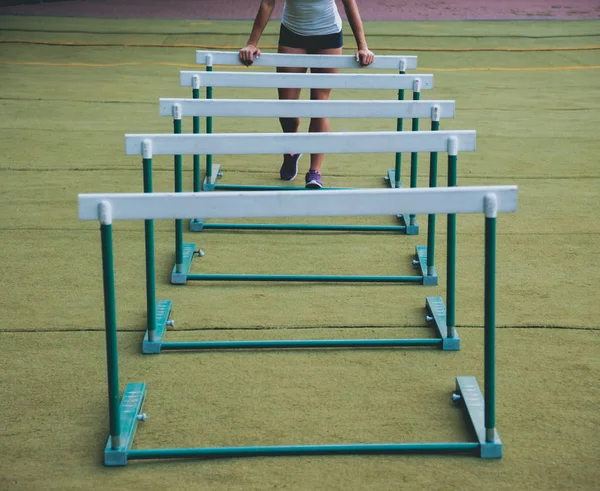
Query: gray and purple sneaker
[[313, 180], [289, 168]]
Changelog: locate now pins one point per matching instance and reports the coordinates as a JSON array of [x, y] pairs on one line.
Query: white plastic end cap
[[209, 60], [435, 113], [177, 112], [147, 149], [195, 81], [490, 205], [105, 212], [453, 146], [403, 65], [417, 85]]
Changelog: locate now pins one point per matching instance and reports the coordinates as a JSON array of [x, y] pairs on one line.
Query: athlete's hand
[[248, 54], [365, 56]]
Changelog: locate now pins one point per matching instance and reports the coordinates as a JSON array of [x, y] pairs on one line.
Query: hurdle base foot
[[428, 279], [473, 401], [209, 183], [409, 229], [180, 278], [163, 312], [390, 179], [437, 310], [197, 224], [129, 409]]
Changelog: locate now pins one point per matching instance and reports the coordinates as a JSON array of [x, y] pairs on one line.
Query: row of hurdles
[[239, 202]]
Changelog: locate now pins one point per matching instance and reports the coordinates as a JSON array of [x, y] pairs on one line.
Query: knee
[[319, 94], [289, 124]]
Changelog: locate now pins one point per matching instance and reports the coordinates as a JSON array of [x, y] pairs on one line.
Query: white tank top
[[311, 17]]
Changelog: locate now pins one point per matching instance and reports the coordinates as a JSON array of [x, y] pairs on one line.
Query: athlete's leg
[[320, 125], [289, 167], [290, 125]]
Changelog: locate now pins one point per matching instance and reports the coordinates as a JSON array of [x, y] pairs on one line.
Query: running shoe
[[313, 179], [289, 168]]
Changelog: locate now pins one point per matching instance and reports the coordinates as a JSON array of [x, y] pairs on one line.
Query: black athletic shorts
[[311, 44]]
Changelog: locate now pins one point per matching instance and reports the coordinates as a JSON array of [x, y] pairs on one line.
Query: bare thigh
[[290, 93], [323, 94]]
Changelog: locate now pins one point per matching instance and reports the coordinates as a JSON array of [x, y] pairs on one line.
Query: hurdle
[[125, 413], [289, 80], [179, 108], [269, 143]]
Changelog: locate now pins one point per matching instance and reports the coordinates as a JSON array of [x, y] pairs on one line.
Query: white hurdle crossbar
[[267, 204], [124, 415], [256, 80], [232, 58], [268, 108], [148, 145]]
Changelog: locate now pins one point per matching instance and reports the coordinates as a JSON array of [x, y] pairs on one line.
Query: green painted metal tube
[[399, 127], [260, 187], [178, 189], [110, 322], [451, 255], [150, 272], [298, 343], [265, 451], [490, 328], [209, 128], [196, 130], [315, 278], [433, 170], [414, 158], [271, 226]]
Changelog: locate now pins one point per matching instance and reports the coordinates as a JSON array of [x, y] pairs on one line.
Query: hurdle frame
[[186, 144], [210, 59], [179, 108], [125, 415]]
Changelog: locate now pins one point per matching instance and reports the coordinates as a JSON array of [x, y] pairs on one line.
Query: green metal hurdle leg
[[393, 177], [426, 255], [196, 224], [481, 410], [183, 252], [414, 156], [123, 416], [443, 316], [157, 312]]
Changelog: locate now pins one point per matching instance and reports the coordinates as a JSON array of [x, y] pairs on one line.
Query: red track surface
[[370, 9]]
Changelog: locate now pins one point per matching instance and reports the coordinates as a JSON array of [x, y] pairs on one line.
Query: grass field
[[73, 87]]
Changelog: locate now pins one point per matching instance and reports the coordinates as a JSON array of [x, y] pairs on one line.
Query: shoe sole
[[313, 185], [296, 174]]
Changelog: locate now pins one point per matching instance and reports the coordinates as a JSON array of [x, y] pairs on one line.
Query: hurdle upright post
[[433, 169], [178, 189], [209, 95], [196, 131], [451, 239], [491, 212], [149, 241], [399, 127], [414, 156], [110, 320]]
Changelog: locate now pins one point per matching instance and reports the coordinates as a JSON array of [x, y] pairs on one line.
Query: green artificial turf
[[65, 110]]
